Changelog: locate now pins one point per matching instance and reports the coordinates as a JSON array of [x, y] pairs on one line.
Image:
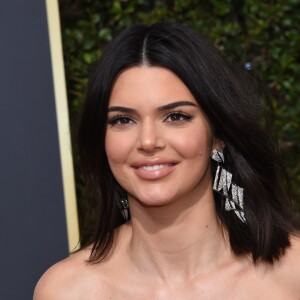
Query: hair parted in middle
[[229, 100]]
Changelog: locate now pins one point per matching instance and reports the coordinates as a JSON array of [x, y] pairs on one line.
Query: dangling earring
[[123, 204], [223, 185]]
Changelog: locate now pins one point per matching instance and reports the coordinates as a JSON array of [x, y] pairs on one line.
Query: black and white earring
[[223, 185], [123, 204]]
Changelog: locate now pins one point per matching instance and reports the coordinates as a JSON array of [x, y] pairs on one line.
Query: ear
[[218, 144]]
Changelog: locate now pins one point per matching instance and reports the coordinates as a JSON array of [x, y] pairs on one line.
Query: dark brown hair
[[231, 104]]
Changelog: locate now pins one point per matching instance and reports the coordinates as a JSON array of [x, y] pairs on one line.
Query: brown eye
[[120, 120], [177, 117]]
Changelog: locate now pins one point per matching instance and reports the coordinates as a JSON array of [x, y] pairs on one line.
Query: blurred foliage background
[[263, 36]]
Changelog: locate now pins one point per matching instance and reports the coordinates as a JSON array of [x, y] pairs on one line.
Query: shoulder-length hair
[[229, 101]]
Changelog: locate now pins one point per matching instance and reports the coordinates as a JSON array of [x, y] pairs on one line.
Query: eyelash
[[119, 119], [178, 114], [114, 120]]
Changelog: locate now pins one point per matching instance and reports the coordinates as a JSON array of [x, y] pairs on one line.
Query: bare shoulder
[[69, 279], [291, 260], [74, 278], [289, 266]]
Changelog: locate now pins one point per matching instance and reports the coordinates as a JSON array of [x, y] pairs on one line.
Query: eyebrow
[[176, 104], [121, 109], [160, 108]]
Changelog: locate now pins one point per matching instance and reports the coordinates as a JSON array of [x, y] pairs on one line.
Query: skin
[[174, 246]]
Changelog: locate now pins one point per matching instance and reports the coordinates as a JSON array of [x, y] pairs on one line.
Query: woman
[[191, 200]]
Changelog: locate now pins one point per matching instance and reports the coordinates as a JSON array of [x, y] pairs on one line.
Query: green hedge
[[262, 35]]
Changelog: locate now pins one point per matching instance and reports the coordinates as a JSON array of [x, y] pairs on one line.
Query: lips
[[153, 170]]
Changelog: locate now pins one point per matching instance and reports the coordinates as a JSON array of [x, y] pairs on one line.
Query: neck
[[177, 241]]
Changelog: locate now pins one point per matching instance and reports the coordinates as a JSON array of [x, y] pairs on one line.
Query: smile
[[156, 171], [156, 167]]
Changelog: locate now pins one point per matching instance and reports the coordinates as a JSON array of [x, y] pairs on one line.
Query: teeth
[[155, 167]]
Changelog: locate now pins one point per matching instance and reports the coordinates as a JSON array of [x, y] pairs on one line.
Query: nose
[[150, 137]]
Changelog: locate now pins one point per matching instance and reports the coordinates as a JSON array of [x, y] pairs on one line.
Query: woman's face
[[158, 141]]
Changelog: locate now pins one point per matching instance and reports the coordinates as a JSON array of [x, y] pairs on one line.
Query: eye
[[120, 120], [178, 116]]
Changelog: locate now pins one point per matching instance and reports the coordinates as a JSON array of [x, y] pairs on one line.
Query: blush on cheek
[[114, 161], [111, 149], [118, 147], [192, 147]]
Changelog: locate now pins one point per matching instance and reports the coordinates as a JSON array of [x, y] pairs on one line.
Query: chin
[[154, 199]]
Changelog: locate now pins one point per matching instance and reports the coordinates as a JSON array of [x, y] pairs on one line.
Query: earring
[[224, 186], [123, 204]]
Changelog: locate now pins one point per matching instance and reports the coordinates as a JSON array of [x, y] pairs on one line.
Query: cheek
[[117, 149], [195, 144]]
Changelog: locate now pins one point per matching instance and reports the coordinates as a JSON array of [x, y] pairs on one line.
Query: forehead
[[155, 85]]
